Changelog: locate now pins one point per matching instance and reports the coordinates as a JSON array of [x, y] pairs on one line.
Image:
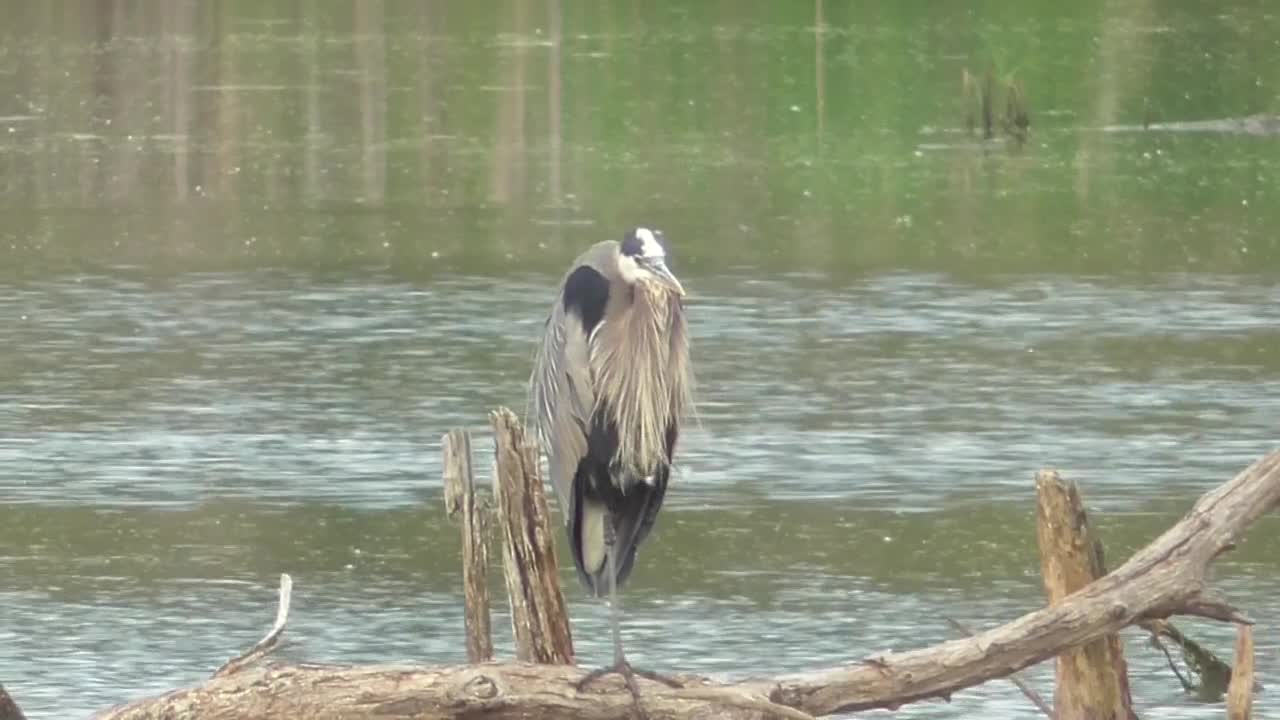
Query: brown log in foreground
[[1166, 577], [1092, 681], [460, 498], [1240, 691], [538, 616]]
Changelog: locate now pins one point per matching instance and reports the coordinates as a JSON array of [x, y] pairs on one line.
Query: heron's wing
[[563, 384]]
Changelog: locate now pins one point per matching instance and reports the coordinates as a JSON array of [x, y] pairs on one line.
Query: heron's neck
[[643, 376]]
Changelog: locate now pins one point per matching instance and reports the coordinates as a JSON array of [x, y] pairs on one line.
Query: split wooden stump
[[539, 619], [1092, 680], [538, 615], [460, 498], [1167, 577]]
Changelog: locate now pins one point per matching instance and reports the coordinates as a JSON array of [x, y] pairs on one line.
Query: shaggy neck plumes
[[648, 390]]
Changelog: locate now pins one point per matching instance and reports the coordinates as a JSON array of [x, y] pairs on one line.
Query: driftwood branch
[[1027, 691], [538, 616], [460, 498], [1167, 577], [1092, 680]]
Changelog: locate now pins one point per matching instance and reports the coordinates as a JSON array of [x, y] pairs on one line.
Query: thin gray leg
[[620, 664], [610, 536]]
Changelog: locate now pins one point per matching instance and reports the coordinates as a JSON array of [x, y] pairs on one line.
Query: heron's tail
[[632, 514]]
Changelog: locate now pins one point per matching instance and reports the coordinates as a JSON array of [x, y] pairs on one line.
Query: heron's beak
[[658, 269]]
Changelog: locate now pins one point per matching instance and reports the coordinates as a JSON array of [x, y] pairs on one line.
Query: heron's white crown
[[649, 245]]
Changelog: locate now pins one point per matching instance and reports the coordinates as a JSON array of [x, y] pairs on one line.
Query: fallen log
[[1027, 691], [1167, 577]]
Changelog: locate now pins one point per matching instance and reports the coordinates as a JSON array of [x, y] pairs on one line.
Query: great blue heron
[[609, 388]]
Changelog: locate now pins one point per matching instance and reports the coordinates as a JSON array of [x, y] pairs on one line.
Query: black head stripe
[[630, 244]]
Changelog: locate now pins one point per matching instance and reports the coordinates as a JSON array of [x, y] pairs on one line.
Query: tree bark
[[1092, 681], [1164, 578], [460, 497], [538, 616]]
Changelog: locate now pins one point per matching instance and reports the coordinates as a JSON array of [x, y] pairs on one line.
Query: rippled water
[[159, 435]]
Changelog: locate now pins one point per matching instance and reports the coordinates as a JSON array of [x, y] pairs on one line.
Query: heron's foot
[[629, 673]]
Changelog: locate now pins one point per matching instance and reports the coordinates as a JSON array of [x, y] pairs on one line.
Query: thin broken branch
[[1186, 684], [1027, 691], [269, 641]]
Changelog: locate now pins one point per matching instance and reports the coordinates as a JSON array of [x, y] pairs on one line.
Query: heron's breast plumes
[[641, 368]]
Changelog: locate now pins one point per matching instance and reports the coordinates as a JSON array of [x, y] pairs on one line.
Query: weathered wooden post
[[538, 617], [1093, 679], [9, 709], [1240, 691], [460, 496]]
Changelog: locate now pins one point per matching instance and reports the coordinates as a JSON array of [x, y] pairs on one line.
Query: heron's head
[[642, 257]]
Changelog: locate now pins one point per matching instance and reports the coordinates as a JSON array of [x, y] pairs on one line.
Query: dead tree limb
[[460, 497], [1167, 577], [538, 616], [1027, 691], [1072, 556], [1092, 680]]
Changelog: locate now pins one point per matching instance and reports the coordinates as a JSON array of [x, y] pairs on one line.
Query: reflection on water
[[425, 138], [256, 260]]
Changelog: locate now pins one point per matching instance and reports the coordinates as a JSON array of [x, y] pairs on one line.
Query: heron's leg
[[620, 663], [615, 622]]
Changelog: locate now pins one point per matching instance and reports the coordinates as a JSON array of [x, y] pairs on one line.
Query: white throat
[[650, 249], [649, 246]]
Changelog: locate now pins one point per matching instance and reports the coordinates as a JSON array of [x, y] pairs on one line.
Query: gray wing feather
[[563, 397]]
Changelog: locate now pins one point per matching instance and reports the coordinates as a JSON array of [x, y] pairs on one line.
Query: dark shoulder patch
[[586, 293]]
